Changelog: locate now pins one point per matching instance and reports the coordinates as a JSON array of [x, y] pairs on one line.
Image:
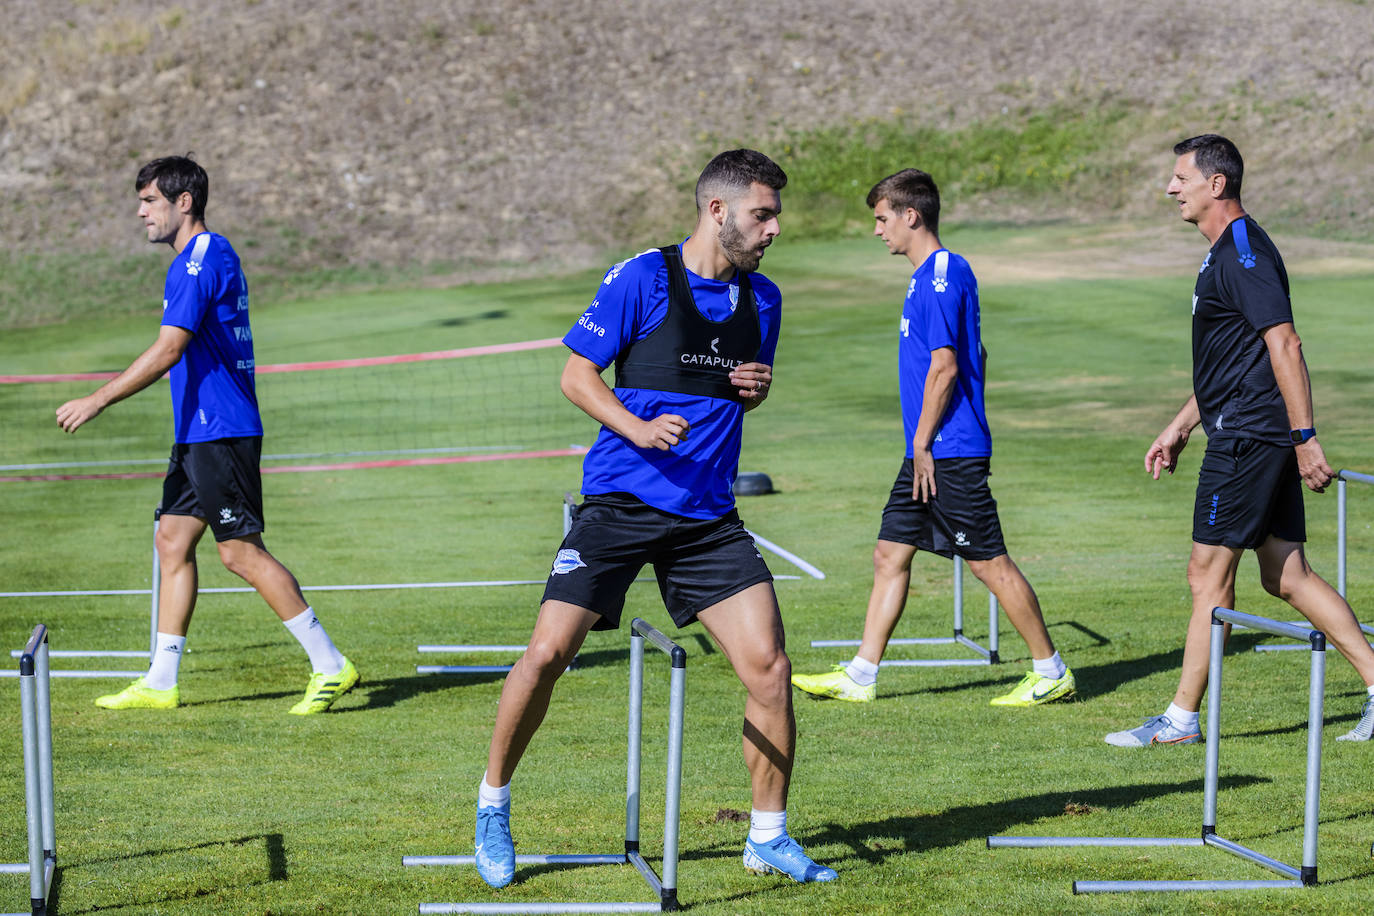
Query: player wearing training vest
[[1253, 397], [940, 501], [205, 347], [691, 331]]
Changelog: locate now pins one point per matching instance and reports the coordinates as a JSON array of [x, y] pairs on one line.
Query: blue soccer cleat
[[784, 855], [495, 850]]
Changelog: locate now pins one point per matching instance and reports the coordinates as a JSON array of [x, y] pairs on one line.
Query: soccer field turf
[[230, 806]]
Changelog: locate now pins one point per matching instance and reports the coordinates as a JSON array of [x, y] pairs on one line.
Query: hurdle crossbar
[[35, 701], [1300, 876], [983, 655], [664, 887]]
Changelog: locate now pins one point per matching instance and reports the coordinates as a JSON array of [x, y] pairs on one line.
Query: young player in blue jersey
[[1252, 395], [213, 477], [940, 501], [691, 331]]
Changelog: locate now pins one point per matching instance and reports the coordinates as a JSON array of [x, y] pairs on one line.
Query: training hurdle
[[114, 653], [36, 704], [1300, 876], [666, 886], [1341, 478], [985, 655]]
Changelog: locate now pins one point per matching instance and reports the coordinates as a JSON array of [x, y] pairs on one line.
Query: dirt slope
[[421, 130]]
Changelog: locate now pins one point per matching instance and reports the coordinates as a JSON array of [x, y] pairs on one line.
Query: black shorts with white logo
[[218, 482], [1246, 491], [699, 563], [960, 519]]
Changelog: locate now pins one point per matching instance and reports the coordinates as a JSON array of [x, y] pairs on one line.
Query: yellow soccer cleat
[[140, 696], [835, 685], [1035, 690], [324, 689]]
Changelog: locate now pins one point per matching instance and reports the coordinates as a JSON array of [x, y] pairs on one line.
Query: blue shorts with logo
[[698, 563], [1247, 490]]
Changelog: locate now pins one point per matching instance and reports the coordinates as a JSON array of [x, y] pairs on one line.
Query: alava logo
[[566, 561]]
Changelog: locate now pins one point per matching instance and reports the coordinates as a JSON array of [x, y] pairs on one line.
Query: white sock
[[1182, 718], [309, 632], [1371, 690], [766, 826], [1052, 667], [166, 661], [862, 671], [491, 796]]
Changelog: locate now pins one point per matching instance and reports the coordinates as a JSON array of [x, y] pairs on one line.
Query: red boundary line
[[515, 347], [345, 466]]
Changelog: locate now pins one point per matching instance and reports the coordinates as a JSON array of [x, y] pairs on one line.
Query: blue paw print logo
[[1247, 260], [939, 284]]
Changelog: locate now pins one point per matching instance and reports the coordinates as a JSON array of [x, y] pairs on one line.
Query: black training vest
[[688, 353]]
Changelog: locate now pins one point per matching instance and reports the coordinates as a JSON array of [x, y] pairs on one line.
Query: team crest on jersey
[[1206, 263], [734, 296], [911, 287], [566, 561]]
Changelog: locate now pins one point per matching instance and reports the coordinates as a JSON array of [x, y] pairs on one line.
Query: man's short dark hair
[[910, 188], [1215, 155], [731, 173], [174, 176]]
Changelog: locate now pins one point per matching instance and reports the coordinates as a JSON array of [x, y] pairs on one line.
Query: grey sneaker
[[1364, 729], [1156, 730]]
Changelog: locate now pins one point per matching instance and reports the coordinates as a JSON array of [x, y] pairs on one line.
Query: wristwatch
[[1299, 436]]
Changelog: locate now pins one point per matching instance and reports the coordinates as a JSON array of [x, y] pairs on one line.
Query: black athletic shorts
[[1246, 491], [698, 563], [218, 482], [960, 519]]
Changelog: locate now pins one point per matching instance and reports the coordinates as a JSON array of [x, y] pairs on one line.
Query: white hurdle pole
[[36, 703], [665, 887], [1292, 876], [985, 655]]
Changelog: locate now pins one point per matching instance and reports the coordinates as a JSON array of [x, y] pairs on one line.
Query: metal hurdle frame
[[1341, 477], [986, 655], [1302, 876], [115, 653], [568, 505], [666, 887], [36, 703]]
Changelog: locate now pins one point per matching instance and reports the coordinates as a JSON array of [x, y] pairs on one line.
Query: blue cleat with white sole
[[495, 850], [784, 855]]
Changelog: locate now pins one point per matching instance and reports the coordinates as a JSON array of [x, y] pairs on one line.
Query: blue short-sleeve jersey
[[941, 310], [694, 479], [213, 395]]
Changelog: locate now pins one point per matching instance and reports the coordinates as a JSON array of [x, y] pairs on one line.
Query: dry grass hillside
[[476, 132]]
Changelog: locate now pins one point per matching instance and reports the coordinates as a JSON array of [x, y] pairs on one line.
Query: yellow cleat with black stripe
[[324, 689]]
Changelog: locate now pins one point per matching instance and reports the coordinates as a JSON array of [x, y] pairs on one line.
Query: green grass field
[[230, 806]]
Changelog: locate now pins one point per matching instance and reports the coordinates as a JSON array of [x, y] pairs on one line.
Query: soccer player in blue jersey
[[205, 345], [1253, 397], [940, 502], [691, 330]]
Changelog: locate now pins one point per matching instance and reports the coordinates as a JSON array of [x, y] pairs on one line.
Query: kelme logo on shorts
[[566, 561]]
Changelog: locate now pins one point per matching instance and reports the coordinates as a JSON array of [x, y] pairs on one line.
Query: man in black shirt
[[1252, 395]]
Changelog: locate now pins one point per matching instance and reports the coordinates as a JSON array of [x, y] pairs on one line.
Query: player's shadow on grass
[[274, 853], [873, 842], [1093, 680]]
